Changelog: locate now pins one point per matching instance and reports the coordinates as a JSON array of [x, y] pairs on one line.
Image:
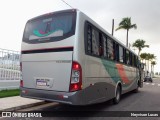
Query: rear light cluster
[[76, 77], [21, 81]]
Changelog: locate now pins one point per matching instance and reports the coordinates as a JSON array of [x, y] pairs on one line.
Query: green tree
[[143, 56], [153, 63], [139, 44], [150, 57], [126, 24]]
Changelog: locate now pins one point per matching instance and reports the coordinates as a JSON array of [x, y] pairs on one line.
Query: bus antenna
[[67, 4]]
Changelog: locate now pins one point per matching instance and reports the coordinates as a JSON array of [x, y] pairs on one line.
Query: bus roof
[[90, 20]]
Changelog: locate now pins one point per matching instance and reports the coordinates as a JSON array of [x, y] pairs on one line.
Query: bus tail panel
[[47, 71], [102, 92]]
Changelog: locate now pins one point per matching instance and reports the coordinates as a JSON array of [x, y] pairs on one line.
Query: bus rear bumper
[[72, 98]]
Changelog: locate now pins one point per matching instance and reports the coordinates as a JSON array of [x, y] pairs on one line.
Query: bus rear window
[[50, 28]]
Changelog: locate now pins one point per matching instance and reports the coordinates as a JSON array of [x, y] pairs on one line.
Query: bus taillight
[[21, 83], [76, 77]]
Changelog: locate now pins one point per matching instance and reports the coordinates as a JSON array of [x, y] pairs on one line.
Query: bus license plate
[[42, 82]]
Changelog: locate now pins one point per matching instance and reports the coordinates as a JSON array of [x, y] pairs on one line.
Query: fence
[[9, 69], [9, 65]]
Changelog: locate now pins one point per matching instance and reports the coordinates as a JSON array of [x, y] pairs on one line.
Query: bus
[[68, 58]]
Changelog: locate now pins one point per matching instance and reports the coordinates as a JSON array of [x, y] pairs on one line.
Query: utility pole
[[112, 27]]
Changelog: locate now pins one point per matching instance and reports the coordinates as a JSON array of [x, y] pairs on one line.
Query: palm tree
[[143, 56], [126, 24], [139, 44], [150, 57], [153, 63]]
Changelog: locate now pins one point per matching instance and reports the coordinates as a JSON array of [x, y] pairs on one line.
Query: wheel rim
[[118, 94]]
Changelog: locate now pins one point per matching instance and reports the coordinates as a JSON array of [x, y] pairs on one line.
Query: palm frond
[[133, 26], [120, 27]]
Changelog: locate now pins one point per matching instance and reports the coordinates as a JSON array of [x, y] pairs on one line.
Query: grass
[[9, 93]]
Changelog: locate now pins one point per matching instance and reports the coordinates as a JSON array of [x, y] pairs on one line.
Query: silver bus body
[[63, 71]]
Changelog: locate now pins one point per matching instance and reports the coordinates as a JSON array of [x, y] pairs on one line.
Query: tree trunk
[[148, 65], [145, 67], [127, 38], [138, 53], [151, 68]]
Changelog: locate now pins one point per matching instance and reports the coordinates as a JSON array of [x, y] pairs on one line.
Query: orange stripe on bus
[[122, 73]]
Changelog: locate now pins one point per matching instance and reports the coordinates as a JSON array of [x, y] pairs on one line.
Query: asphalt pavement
[[147, 99]]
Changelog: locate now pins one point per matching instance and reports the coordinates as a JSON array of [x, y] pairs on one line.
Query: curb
[[23, 106]]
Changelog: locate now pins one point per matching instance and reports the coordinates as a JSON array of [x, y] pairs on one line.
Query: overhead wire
[[67, 4]]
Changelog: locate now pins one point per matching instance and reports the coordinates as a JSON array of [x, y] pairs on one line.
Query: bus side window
[[95, 42], [130, 57], [136, 61], [117, 52], [110, 48], [133, 62], [121, 54], [114, 51], [136, 64], [89, 39], [127, 57], [104, 46], [101, 44], [124, 56]]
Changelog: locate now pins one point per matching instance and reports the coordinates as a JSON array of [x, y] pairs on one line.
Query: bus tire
[[46, 101], [137, 89], [117, 98]]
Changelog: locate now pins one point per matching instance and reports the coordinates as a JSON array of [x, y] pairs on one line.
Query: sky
[[144, 13]]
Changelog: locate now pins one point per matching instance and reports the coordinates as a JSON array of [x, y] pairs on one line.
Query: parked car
[[148, 79]]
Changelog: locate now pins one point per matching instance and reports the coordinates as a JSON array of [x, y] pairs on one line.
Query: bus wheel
[[118, 95], [46, 101], [136, 90]]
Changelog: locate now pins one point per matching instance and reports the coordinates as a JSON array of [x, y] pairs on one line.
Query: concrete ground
[[17, 102]]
